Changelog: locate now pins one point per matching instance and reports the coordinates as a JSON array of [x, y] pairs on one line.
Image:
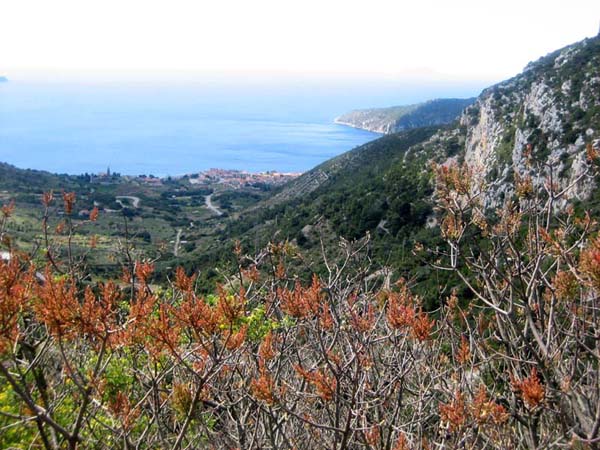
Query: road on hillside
[[135, 201], [210, 206], [177, 242]]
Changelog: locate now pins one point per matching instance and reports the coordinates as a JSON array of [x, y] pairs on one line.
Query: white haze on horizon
[[430, 40]]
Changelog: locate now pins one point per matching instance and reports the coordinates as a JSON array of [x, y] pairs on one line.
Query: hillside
[[398, 118], [384, 187], [27, 180], [3, 79], [170, 220]]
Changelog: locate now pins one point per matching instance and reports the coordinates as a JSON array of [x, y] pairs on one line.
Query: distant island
[[398, 118], [3, 79]]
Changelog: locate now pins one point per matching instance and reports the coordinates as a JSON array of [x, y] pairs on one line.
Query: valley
[[168, 220]]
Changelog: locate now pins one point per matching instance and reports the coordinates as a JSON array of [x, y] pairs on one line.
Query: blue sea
[[164, 128]]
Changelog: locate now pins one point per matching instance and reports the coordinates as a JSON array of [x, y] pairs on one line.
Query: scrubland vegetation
[[508, 357]]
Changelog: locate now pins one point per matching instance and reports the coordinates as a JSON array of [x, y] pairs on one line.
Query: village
[[241, 178], [229, 177]]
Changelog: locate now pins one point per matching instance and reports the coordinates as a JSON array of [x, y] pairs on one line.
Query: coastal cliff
[[399, 118]]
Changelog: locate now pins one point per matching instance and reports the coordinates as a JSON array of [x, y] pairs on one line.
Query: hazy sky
[[464, 39]]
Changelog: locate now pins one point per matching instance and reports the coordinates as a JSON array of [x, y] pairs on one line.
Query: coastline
[[356, 127]]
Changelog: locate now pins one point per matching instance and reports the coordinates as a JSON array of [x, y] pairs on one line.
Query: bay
[[165, 128]]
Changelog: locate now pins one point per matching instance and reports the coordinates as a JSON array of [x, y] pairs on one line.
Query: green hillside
[[384, 188]]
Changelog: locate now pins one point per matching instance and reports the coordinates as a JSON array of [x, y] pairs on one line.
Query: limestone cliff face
[[553, 108]]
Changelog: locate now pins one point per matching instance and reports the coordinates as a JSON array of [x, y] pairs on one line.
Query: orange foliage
[[143, 271], [591, 153], [183, 282], [452, 227], [401, 443], [263, 388], [531, 389], [234, 340], [373, 436], [463, 355], [57, 305], [94, 214], [196, 315], [400, 311], [452, 178], [565, 286], [162, 333], [455, 412], [523, 185], [15, 293], [589, 262], [47, 198], [121, 408], [230, 308], [98, 315], [324, 384], [251, 273], [303, 303], [8, 209], [485, 410], [266, 351], [68, 201], [365, 321], [422, 326], [280, 271]]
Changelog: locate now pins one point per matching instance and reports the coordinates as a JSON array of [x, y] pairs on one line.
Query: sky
[[458, 39]]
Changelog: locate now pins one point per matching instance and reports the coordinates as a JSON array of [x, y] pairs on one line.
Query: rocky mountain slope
[[553, 108], [398, 118], [384, 188]]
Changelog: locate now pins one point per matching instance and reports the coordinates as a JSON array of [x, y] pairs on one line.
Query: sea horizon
[[173, 129]]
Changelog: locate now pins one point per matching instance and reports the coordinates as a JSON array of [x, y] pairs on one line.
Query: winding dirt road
[[135, 201], [210, 206]]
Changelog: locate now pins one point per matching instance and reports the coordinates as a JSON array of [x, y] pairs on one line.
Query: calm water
[[174, 129]]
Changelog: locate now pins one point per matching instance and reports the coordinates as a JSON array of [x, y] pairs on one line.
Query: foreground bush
[[346, 360]]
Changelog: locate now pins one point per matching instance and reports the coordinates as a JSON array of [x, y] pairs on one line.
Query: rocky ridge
[[398, 118], [553, 109]]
